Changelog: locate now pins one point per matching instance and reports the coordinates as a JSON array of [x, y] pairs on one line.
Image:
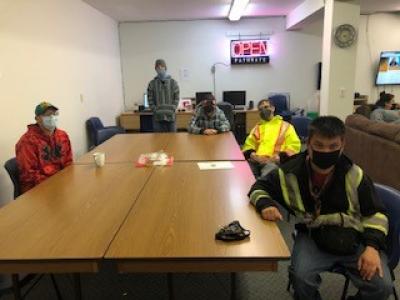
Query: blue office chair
[[282, 104], [227, 108], [391, 199], [98, 133], [281, 101], [300, 124], [12, 170]]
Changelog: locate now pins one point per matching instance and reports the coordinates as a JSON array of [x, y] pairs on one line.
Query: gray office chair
[[227, 108]]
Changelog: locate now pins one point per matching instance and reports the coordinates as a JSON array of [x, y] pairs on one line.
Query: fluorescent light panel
[[237, 9]]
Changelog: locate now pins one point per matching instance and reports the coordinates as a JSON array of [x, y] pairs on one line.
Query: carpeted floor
[[250, 286]]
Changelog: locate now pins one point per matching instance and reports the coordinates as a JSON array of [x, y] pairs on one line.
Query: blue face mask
[[50, 122], [162, 73]]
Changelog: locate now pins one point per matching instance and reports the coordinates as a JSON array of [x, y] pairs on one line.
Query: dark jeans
[[308, 261], [164, 126]]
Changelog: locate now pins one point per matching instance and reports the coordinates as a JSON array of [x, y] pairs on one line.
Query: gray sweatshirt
[[385, 115], [163, 96]]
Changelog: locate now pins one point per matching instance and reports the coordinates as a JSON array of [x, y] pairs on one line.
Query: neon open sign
[[249, 52]]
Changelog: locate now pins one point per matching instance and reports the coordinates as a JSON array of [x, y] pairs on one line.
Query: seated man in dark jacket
[[341, 221], [209, 119]]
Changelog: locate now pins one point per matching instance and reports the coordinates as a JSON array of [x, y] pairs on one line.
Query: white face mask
[[50, 122]]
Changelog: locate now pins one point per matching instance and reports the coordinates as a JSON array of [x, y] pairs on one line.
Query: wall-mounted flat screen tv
[[389, 68]]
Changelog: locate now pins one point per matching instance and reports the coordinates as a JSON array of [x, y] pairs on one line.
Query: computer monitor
[[236, 98], [200, 96]]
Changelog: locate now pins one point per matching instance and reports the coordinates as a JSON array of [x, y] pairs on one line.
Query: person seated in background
[[43, 150], [270, 141], [209, 119], [386, 110], [340, 220]]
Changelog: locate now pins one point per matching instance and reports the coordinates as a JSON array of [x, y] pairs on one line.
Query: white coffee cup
[[99, 158]]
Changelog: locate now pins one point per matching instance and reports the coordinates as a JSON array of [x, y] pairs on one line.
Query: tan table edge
[[80, 163], [198, 265], [49, 266]]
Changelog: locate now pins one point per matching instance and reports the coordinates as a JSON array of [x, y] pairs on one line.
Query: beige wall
[[378, 32], [61, 50]]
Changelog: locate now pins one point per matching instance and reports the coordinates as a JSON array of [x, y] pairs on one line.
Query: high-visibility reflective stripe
[[294, 193], [281, 137], [377, 227], [257, 195], [352, 181], [256, 132], [339, 219], [377, 221], [285, 194], [290, 152], [291, 191]]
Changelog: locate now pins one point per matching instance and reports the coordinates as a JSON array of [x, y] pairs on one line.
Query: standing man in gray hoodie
[[163, 97]]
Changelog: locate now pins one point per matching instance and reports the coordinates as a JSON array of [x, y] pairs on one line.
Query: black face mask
[[325, 160], [265, 113]]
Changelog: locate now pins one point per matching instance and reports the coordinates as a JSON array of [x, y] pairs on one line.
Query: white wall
[[381, 34], [337, 86], [197, 45], [55, 50]]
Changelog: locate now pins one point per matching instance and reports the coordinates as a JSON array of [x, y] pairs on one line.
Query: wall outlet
[[342, 92], [81, 98]]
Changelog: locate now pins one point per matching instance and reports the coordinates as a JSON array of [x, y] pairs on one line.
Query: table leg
[[77, 286], [171, 295], [16, 287], [233, 286]]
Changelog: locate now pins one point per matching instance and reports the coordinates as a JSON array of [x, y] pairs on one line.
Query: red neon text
[[249, 48]]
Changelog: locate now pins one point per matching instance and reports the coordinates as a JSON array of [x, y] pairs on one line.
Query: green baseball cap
[[42, 107]]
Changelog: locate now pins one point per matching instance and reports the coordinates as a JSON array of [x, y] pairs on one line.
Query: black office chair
[[227, 108], [12, 170], [98, 133]]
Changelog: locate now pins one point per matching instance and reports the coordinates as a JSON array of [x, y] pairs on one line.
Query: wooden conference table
[[159, 219], [183, 146], [171, 228]]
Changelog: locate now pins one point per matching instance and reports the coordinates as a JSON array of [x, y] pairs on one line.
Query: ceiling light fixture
[[237, 9]]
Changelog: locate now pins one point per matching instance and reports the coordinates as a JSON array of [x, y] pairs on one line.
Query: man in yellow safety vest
[[340, 221], [269, 141]]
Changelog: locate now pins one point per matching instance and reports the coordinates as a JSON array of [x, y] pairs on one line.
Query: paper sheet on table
[[215, 165]]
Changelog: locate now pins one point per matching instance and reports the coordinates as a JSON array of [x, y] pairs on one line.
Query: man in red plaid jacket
[[43, 150]]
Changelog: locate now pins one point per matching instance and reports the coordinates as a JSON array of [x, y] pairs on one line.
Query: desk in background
[[142, 121], [244, 121]]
